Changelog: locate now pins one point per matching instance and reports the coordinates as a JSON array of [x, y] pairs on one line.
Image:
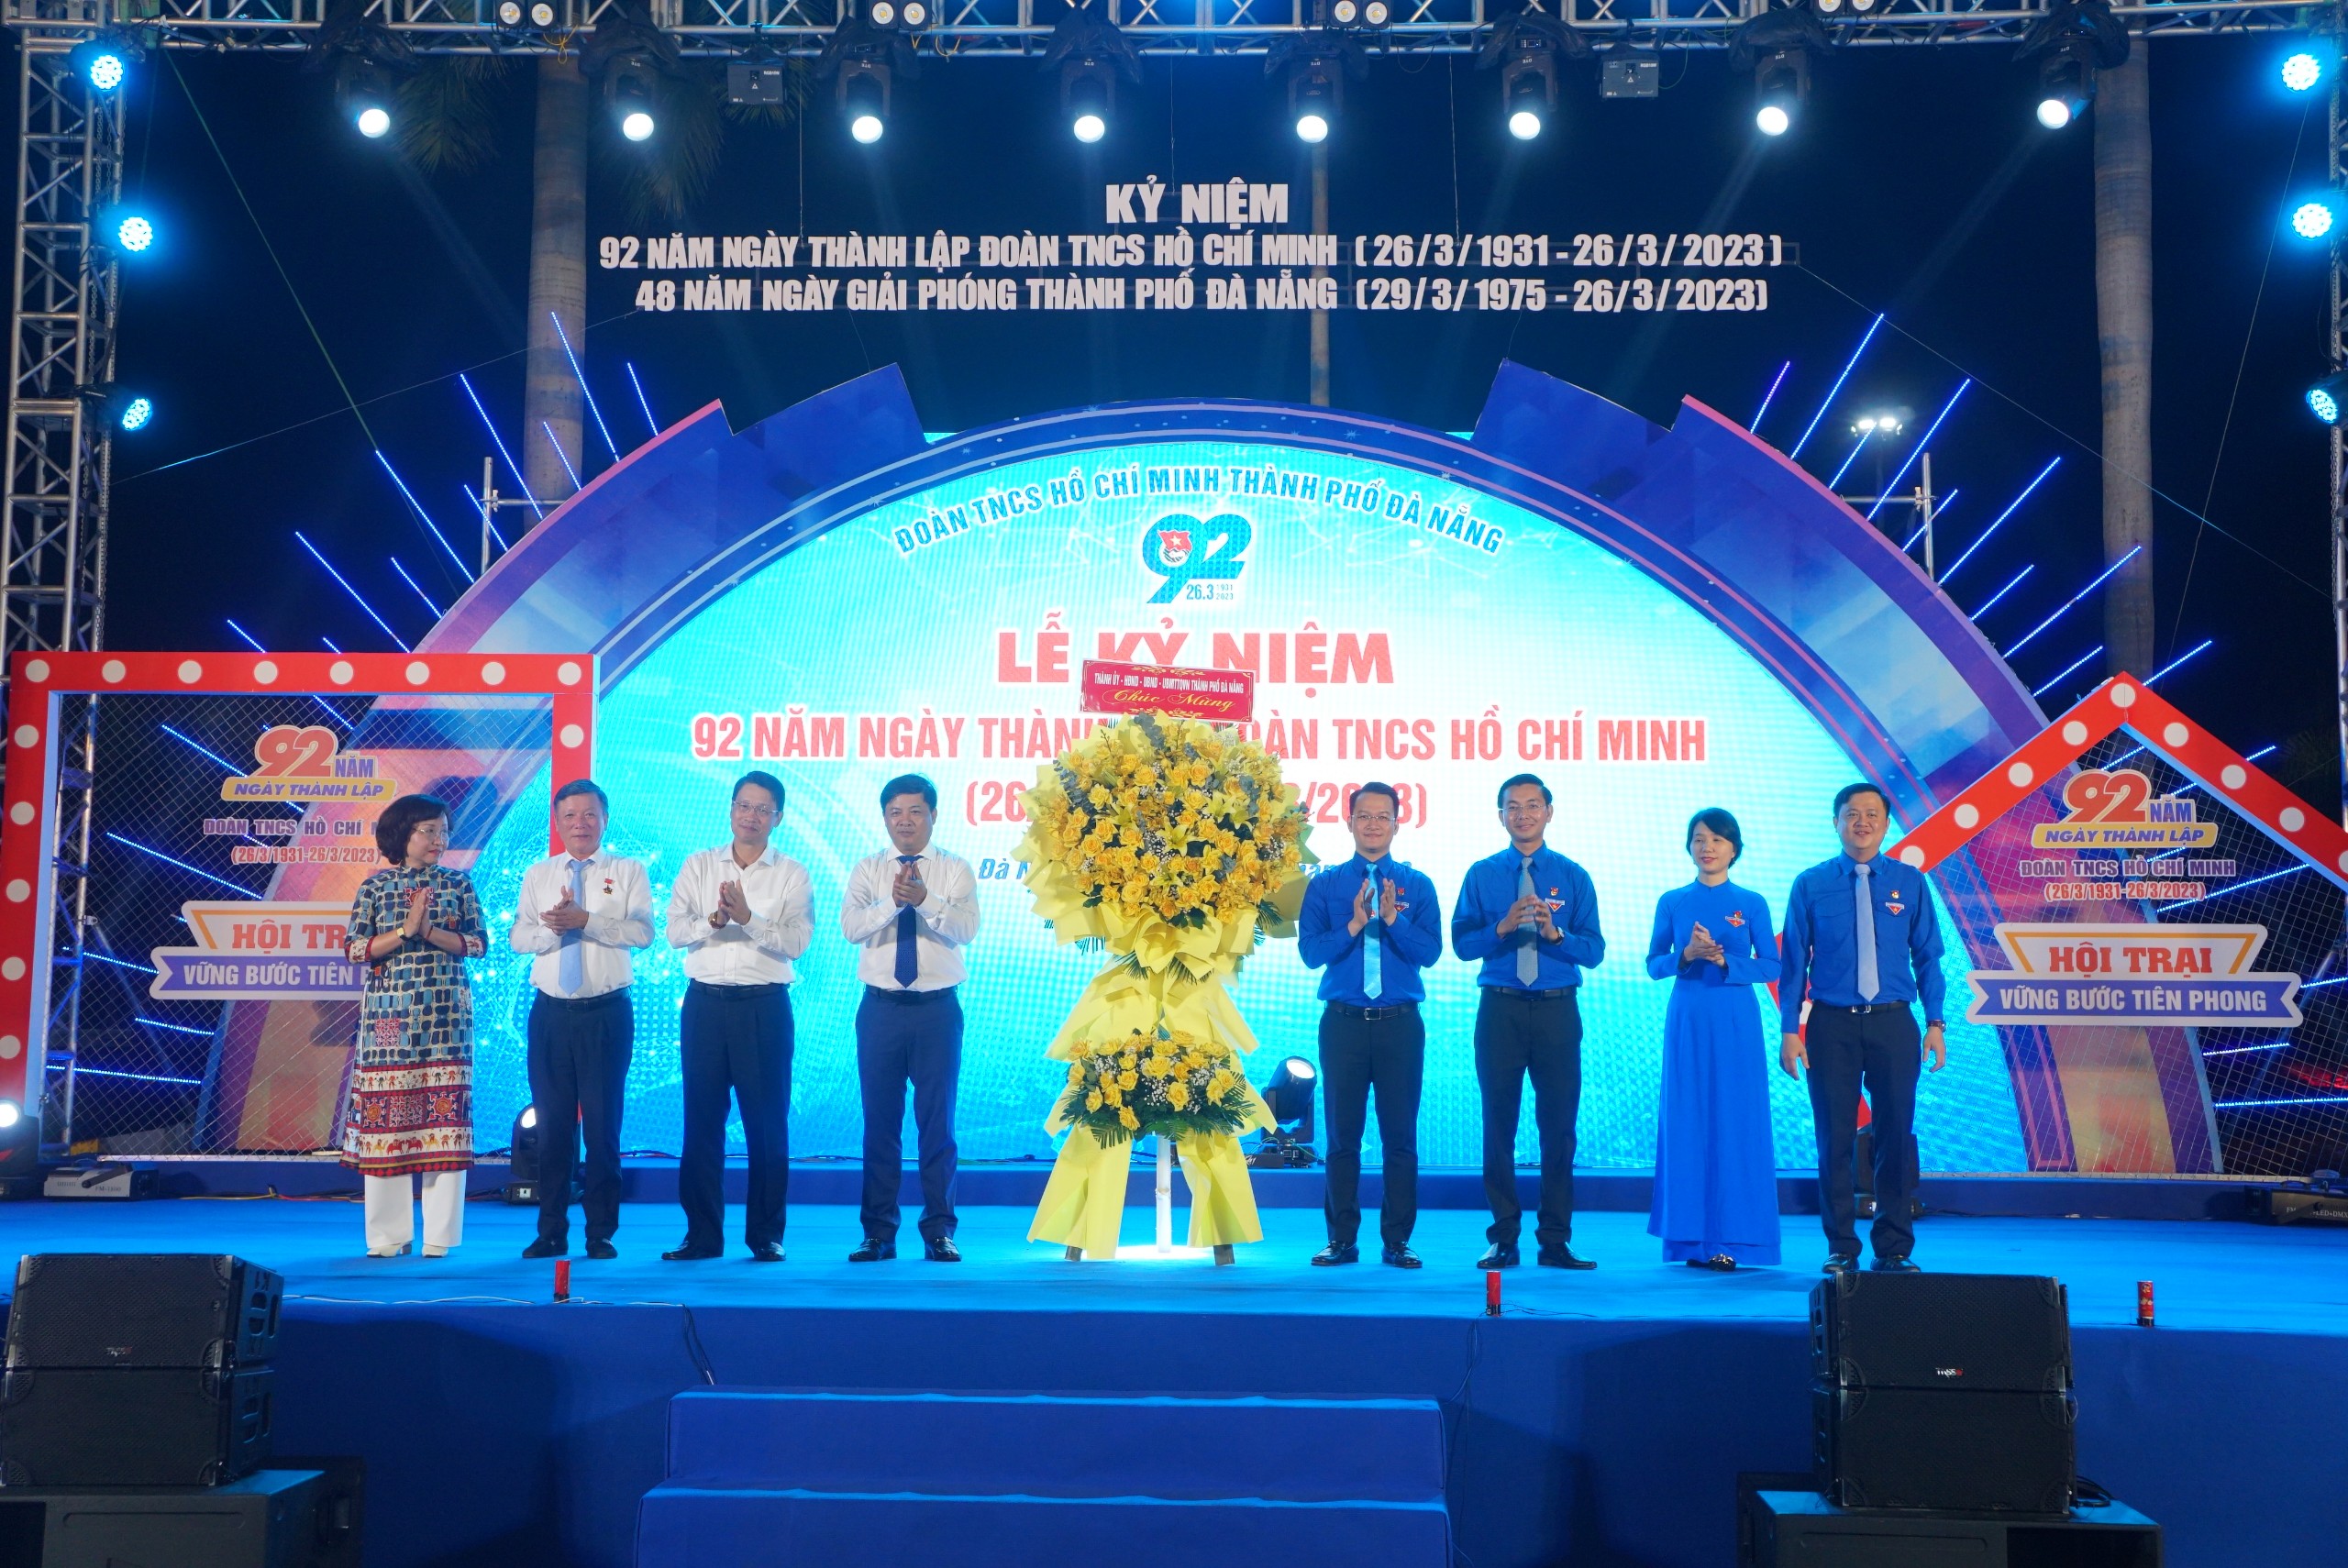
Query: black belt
[[746, 992], [1861, 1008], [1372, 1014], [579, 1004], [1529, 996], [881, 993]]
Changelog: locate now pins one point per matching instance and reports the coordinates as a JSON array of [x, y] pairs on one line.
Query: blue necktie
[[570, 960], [1373, 976], [1528, 962], [1867, 977], [908, 955]]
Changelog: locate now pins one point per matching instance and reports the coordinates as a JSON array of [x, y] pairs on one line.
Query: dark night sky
[[1915, 183]]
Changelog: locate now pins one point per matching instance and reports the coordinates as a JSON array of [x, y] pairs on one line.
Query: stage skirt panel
[[1715, 1169], [411, 1084]]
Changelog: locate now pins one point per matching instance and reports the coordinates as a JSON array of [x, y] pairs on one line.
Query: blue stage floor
[[1601, 1420]]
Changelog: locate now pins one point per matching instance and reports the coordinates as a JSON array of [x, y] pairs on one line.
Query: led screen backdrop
[[1401, 627]]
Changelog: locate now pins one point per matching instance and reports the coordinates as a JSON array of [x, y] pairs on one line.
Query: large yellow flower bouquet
[[1176, 1085], [1176, 846]]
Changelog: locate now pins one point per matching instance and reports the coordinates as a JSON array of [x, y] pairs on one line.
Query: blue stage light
[[2302, 68], [137, 413], [103, 64], [135, 232], [511, 466], [2051, 463], [354, 593], [2101, 577], [584, 390], [1836, 390], [2313, 219], [1770, 396], [2326, 398]]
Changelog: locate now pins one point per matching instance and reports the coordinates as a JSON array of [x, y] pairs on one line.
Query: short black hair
[[1720, 823], [764, 780], [578, 787], [909, 784], [400, 819], [1842, 796], [1374, 788], [1534, 779]]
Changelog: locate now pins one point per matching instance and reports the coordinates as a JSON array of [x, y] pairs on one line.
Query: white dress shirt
[[944, 920], [617, 898], [758, 954]]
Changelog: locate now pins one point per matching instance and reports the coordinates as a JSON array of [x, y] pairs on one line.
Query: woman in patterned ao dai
[[412, 926]]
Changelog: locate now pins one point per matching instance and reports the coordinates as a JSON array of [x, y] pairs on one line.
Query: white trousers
[[390, 1210]]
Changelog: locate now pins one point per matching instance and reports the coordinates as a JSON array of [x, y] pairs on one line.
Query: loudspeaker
[[273, 1519], [1795, 1528], [1940, 1330], [166, 1309], [341, 1516], [1927, 1448], [104, 1427]]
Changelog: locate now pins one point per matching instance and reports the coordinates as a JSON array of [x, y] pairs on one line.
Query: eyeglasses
[[752, 810], [1382, 820]]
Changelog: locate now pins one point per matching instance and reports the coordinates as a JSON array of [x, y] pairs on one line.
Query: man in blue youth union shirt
[[1863, 943], [1530, 916], [1370, 925]]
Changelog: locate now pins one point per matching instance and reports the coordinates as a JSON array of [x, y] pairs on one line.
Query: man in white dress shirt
[[580, 915], [741, 913], [911, 909]]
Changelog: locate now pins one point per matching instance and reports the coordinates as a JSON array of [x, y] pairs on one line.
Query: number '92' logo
[[1198, 561]]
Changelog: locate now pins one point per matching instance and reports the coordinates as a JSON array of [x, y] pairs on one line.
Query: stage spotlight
[[522, 1154], [2315, 219], [2070, 43], [134, 233], [1524, 50], [1288, 1096], [2065, 88], [2328, 397], [365, 95], [2302, 68], [1879, 424], [1089, 54], [127, 411], [19, 1151], [1779, 83], [1368, 13], [1088, 104], [864, 99], [1528, 92], [1312, 101], [104, 62], [627, 84]]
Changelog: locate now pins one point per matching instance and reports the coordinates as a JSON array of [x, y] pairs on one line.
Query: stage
[[1603, 1419]]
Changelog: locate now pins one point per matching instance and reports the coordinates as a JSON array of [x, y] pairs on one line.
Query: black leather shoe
[[542, 1248], [874, 1250], [602, 1250], [1720, 1263], [1336, 1253], [941, 1248], [1839, 1263], [1398, 1258], [1499, 1254], [1893, 1265], [1562, 1256], [688, 1253], [766, 1251]]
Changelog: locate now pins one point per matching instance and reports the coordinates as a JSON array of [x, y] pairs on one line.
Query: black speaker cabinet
[[276, 1519], [1972, 1453], [1979, 1331], [99, 1427], [1798, 1528], [153, 1310]]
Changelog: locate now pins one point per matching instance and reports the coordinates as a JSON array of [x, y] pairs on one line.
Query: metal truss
[[735, 27], [60, 342]]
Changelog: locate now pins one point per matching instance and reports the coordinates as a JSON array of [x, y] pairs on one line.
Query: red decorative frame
[[40, 681], [2123, 702]]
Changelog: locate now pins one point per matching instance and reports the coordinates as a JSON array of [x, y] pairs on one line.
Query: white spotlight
[[637, 125], [373, 121], [1524, 124], [866, 128], [1312, 125]]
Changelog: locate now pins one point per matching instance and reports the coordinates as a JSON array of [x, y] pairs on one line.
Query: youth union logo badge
[[1198, 561]]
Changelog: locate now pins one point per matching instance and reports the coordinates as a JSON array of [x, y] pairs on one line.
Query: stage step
[[982, 1480]]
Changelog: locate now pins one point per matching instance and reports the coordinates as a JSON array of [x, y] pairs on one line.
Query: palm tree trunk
[[551, 395], [2123, 297]]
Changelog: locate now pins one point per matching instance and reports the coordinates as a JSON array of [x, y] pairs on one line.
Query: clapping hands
[[1703, 947]]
